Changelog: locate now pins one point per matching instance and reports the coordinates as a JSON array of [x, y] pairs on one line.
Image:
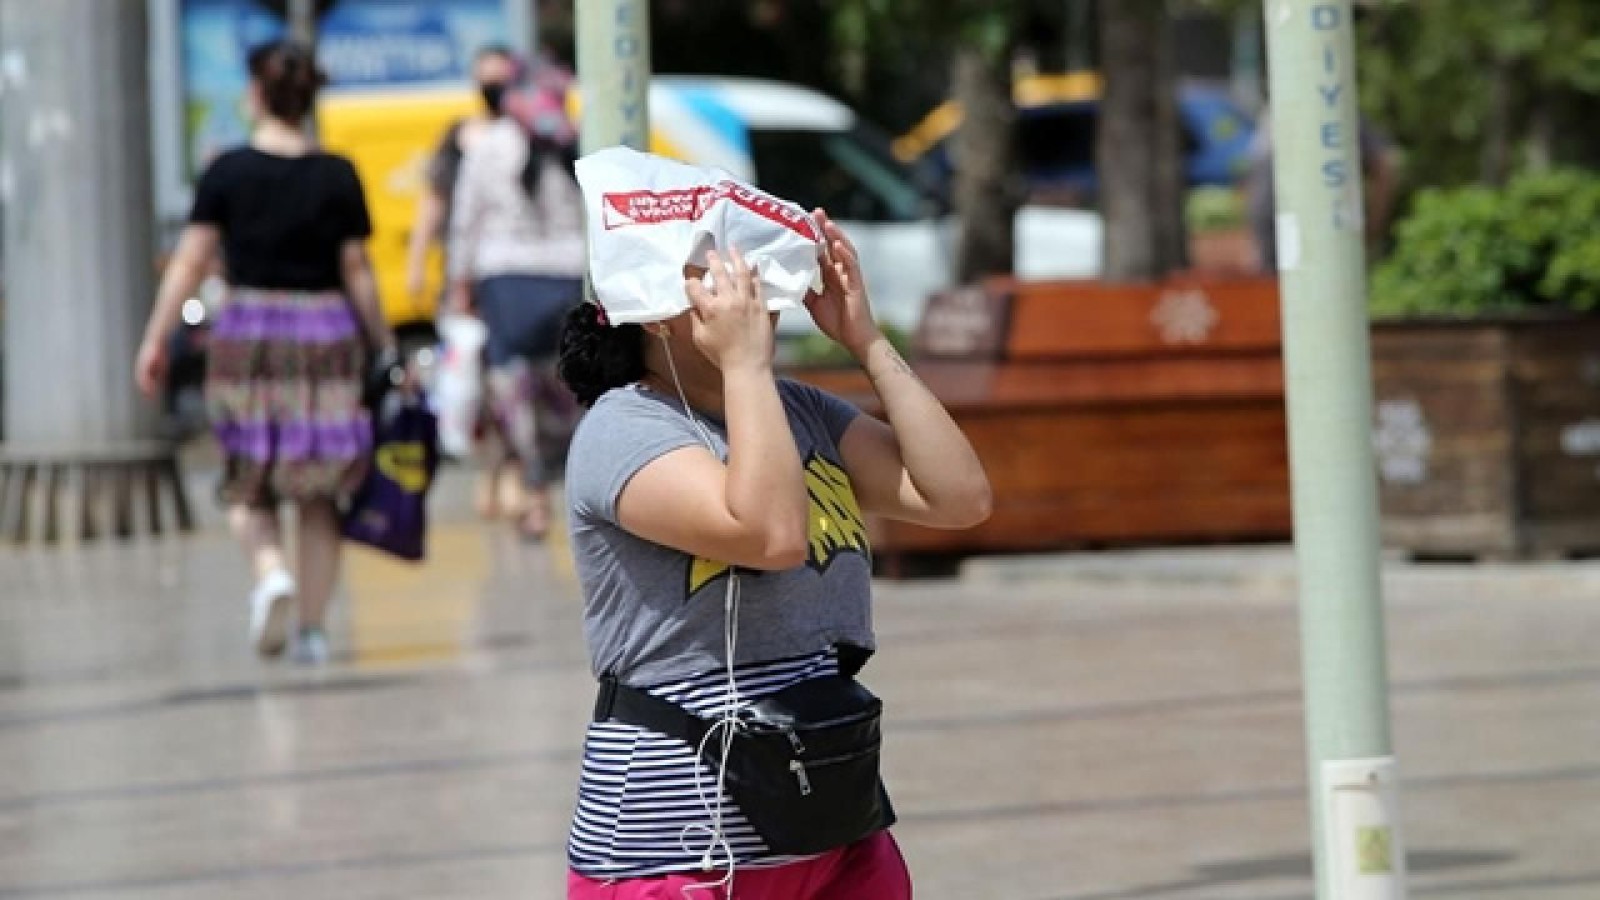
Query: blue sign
[[373, 44], [363, 44]]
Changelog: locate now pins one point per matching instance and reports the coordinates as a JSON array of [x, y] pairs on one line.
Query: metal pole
[[614, 73], [303, 22], [1080, 17], [1245, 65], [303, 30], [522, 21], [1353, 777], [75, 183]]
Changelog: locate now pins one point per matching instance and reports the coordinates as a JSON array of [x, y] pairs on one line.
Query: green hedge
[[818, 350], [1533, 245]]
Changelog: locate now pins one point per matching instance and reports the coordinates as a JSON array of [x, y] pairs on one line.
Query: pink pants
[[870, 869]]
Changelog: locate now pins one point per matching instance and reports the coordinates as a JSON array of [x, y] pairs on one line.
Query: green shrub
[[816, 350], [1472, 251]]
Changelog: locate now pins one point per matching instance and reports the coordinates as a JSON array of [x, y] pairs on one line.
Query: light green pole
[[614, 73], [1321, 258]]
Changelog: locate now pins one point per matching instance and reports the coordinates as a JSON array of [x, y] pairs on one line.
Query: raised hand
[[729, 320], [842, 310]]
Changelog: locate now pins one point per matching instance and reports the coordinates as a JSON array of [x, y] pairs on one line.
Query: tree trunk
[[987, 191], [1138, 145], [1495, 159], [1541, 155]]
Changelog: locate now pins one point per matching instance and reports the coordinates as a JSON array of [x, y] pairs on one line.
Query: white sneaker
[[310, 647], [270, 604]]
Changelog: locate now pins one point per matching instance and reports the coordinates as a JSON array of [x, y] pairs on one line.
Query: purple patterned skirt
[[284, 373]]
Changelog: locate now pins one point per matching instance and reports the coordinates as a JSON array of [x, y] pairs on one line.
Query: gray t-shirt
[[652, 613]]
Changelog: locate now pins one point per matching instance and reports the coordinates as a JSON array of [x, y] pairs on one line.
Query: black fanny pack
[[803, 765]]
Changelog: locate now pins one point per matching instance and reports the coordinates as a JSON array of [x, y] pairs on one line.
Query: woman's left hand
[[150, 367], [842, 310], [460, 297]]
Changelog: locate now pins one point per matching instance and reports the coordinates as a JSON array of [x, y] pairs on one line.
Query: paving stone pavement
[[1061, 728]]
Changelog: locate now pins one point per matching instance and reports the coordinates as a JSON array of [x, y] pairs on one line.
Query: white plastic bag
[[458, 385], [648, 217]]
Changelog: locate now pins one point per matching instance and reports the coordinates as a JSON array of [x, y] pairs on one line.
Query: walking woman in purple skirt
[[289, 353]]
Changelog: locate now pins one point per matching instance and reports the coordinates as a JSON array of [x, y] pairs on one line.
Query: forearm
[[178, 283], [467, 205], [765, 489], [461, 254], [362, 289], [430, 217], [938, 458]]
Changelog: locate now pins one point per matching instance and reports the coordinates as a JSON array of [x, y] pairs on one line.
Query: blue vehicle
[[1057, 118]]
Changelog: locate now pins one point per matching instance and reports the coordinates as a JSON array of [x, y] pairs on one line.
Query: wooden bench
[[52, 493], [1105, 414]]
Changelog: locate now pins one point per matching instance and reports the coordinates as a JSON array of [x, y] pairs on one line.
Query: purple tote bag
[[390, 510]]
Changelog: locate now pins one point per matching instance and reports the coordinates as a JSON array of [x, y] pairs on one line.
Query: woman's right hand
[[150, 368], [729, 320]]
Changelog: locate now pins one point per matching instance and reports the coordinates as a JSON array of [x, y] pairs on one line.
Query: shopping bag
[[458, 382], [389, 511], [648, 217]]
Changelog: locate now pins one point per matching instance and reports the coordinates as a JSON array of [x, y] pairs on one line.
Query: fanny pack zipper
[[803, 778]]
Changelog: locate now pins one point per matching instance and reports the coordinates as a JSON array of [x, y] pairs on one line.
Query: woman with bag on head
[[289, 356], [717, 517], [516, 258]]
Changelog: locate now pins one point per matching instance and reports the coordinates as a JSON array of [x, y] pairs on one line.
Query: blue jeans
[[523, 314], [530, 408]]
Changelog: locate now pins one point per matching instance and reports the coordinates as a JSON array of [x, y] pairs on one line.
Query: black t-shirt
[[283, 218]]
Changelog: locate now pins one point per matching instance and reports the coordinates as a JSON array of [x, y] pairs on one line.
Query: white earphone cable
[[727, 721]]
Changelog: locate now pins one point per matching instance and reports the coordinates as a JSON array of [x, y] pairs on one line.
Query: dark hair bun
[[288, 77], [595, 357]]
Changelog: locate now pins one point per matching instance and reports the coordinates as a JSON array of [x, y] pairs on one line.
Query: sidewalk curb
[[1264, 568]]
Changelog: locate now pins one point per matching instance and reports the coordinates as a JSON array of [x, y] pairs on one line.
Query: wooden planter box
[[1488, 436], [1106, 414]]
